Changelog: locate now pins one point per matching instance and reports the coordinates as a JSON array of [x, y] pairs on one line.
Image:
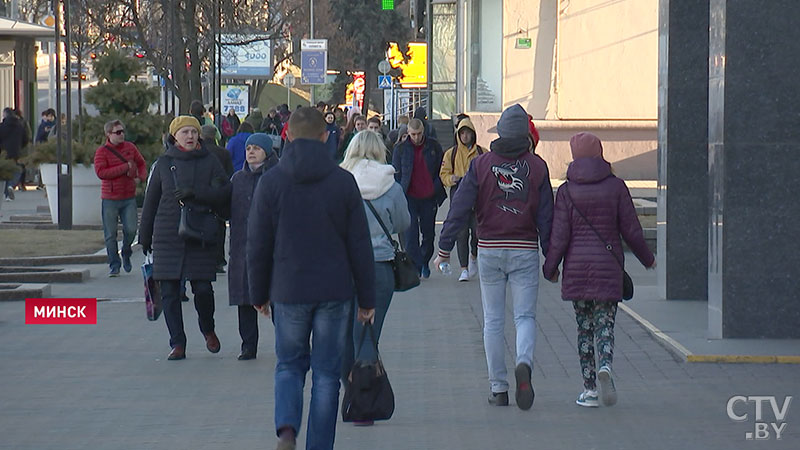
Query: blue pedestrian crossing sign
[[385, 81]]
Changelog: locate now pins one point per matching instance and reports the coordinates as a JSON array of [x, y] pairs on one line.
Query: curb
[[686, 355], [667, 342], [54, 260]]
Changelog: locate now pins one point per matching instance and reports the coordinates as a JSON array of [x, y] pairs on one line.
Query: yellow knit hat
[[183, 121]]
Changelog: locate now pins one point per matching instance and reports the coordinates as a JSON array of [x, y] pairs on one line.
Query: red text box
[[60, 311]]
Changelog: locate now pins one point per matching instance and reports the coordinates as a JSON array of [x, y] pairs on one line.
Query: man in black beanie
[[509, 189]]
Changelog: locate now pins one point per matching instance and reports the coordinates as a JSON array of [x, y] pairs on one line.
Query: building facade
[[574, 65]]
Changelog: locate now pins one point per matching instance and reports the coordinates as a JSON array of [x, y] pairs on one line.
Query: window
[[484, 55]]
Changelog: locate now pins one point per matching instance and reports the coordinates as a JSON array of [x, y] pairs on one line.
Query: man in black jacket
[[309, 253], [12, 140]]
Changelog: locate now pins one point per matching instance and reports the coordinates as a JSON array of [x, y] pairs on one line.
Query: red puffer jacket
[[590, 271], [116, 183]]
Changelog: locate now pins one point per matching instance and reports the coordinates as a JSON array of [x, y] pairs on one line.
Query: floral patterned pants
[[595, 324]]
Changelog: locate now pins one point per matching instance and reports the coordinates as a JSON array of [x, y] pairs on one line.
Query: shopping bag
[[152, 293], [369, 394], [276, 141]]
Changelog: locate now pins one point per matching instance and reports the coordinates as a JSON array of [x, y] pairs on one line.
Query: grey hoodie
[[376, 183]]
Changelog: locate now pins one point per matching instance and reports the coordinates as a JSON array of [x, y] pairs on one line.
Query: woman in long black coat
[[200, 181], [259, 157]]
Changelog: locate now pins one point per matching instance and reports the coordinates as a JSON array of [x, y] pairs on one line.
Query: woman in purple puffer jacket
[[592, 274]]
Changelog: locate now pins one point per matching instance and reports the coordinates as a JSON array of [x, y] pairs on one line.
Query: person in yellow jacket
[[454, 166]]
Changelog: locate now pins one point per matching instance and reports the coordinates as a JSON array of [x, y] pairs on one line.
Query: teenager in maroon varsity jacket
[[119, 165], [510, 191]]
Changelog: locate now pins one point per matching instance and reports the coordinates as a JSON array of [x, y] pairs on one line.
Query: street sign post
[[385, 81], [288, 81], [313, 61]]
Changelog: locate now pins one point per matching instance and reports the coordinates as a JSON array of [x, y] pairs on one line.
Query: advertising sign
[[313, 67], [313, 61], [414, 66], [236, 97], [246, 56], [359, 85]]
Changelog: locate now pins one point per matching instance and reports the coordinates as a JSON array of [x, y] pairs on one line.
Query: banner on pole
[[313, 61], [236, 97]]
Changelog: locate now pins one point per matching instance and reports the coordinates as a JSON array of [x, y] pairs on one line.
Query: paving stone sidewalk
[[109, 386]]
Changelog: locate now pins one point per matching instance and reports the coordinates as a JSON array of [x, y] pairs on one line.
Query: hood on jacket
[[307, 160], [510, 147], [373, 178], [465, 123], [585, 145], [588, 170]]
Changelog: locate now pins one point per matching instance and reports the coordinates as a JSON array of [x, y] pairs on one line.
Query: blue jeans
[[384, 289], [520, 269], [325, 324], [125, 210], [423, 219], [15, 179]]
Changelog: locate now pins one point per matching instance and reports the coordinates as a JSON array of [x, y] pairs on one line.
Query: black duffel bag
[[368, 395]]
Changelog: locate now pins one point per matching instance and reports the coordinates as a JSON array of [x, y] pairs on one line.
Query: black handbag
[[406, 275], [627, 282], [369, 394], [197, 223]]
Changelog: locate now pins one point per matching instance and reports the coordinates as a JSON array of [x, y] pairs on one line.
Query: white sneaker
[[608, 392], [464, 275], [473, 266], [588, 399]]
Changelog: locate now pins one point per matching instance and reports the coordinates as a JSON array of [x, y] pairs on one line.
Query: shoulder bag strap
[[116, 153], [174, 171], [608, 246], [385, 230]]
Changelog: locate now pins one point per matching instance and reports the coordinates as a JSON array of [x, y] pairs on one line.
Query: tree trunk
[[192, 47], [255, 93]]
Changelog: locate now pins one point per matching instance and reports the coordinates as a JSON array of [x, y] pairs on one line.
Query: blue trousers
[[384, 289], [423, 219], [125, 211], [299, 328]]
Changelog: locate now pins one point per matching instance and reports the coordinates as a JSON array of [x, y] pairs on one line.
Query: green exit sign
[[387, 5]]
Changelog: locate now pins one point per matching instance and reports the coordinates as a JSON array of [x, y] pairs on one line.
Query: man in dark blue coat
[[309, 254], [417, 161]]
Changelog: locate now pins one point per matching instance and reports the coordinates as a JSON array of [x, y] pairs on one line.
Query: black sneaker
[[126, 264], [114, 272], [524, 393], [498, 399]]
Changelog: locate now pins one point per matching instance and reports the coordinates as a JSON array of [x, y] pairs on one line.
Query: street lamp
[[288, 81]]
